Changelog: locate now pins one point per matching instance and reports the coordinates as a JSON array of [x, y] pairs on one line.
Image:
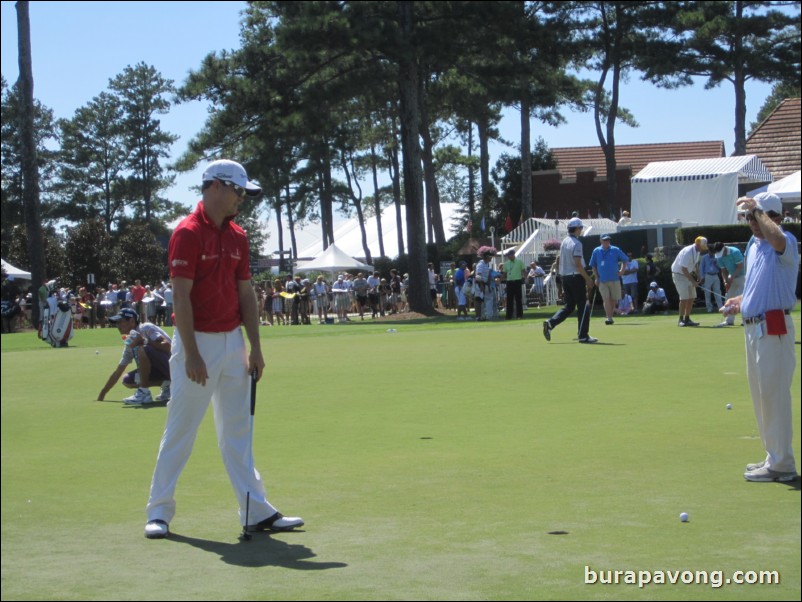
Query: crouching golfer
[[148, 346], [212, 295]]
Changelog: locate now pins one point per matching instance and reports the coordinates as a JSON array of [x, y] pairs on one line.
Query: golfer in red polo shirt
[[212, 296]]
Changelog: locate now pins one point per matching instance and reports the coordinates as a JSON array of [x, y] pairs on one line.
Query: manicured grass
[[440, 461]]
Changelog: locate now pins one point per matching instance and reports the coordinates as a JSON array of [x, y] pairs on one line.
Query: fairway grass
[[444, 461]]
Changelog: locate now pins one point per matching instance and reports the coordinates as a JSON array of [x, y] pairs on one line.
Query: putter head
[[245, 536]]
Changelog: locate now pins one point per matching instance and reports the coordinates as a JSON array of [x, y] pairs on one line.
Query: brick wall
[[585, 194]]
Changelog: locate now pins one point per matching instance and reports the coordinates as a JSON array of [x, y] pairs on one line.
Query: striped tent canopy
[[748, 167], [554, 228]]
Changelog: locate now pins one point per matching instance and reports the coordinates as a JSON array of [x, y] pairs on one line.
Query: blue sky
[[78, 46]]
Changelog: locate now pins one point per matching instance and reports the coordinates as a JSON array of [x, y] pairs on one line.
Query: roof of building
[[748, 167], [636, 156], [778, 139]]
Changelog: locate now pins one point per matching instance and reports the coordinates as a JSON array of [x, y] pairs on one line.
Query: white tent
[[703, 191], [15, 273], [788, 189], [333, 260], [348, 235]]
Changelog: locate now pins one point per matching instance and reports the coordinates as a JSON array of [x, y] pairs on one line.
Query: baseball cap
[[768, 201], [125, 312], [230, 171], [701, 241], [575, 222], [605, 237], [653, 285]]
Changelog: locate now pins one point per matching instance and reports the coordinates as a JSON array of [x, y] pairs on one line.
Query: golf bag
[[57, 329]]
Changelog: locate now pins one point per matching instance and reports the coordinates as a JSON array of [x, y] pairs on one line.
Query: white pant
[[770, 364], [228, 388]]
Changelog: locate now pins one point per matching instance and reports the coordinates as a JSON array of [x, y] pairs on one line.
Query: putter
[[245, 535], [719, 297], [588, 310]]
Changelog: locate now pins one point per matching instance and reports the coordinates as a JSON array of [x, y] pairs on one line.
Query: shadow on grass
[[138, 406], [260, 551]]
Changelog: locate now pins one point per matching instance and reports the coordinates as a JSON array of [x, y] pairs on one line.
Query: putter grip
[[253, 392]]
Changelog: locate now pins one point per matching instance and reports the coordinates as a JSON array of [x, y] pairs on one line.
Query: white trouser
[[228, 388], [736, 290], [458, 289], [770, 364]]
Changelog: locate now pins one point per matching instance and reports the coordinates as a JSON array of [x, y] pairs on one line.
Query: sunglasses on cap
[[239, 190]]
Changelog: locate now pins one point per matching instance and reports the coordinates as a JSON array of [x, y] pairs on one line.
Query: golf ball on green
[[683, 517], [729, 406]]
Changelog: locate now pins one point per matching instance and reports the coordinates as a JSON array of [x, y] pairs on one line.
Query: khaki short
[[610, 290], [685, 288]]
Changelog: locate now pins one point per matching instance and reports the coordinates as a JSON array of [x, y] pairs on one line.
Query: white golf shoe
[[142, 396], [156, 529]]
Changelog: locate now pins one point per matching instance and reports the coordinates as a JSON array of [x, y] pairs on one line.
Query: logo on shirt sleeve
[[179, 262]]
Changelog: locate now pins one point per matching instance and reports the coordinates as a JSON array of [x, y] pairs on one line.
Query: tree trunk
[[432, 192], [740, 92], [30, 172], [526, 161], [357, 200], [279, 229], [471, 178], [484, 164], [408, 82], [377, 199], [291, 224], [395, 174], [326, 202]]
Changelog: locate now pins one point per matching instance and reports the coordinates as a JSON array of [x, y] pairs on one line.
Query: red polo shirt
[[215, 259], [137, 293]]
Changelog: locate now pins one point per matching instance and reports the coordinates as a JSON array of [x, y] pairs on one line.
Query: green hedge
[[732, 233]]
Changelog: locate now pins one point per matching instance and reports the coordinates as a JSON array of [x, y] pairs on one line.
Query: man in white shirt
[[577, 284], [684, 271]]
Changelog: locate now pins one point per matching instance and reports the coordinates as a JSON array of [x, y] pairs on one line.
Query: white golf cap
[[230, 171], [768, 201], [575, 222]]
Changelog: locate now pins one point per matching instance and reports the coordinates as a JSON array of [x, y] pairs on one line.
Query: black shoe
[[608, 321], [689, 322], [277, 522], [547, 330]]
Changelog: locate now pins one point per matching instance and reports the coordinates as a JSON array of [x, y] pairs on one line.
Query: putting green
[[447, 460]]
